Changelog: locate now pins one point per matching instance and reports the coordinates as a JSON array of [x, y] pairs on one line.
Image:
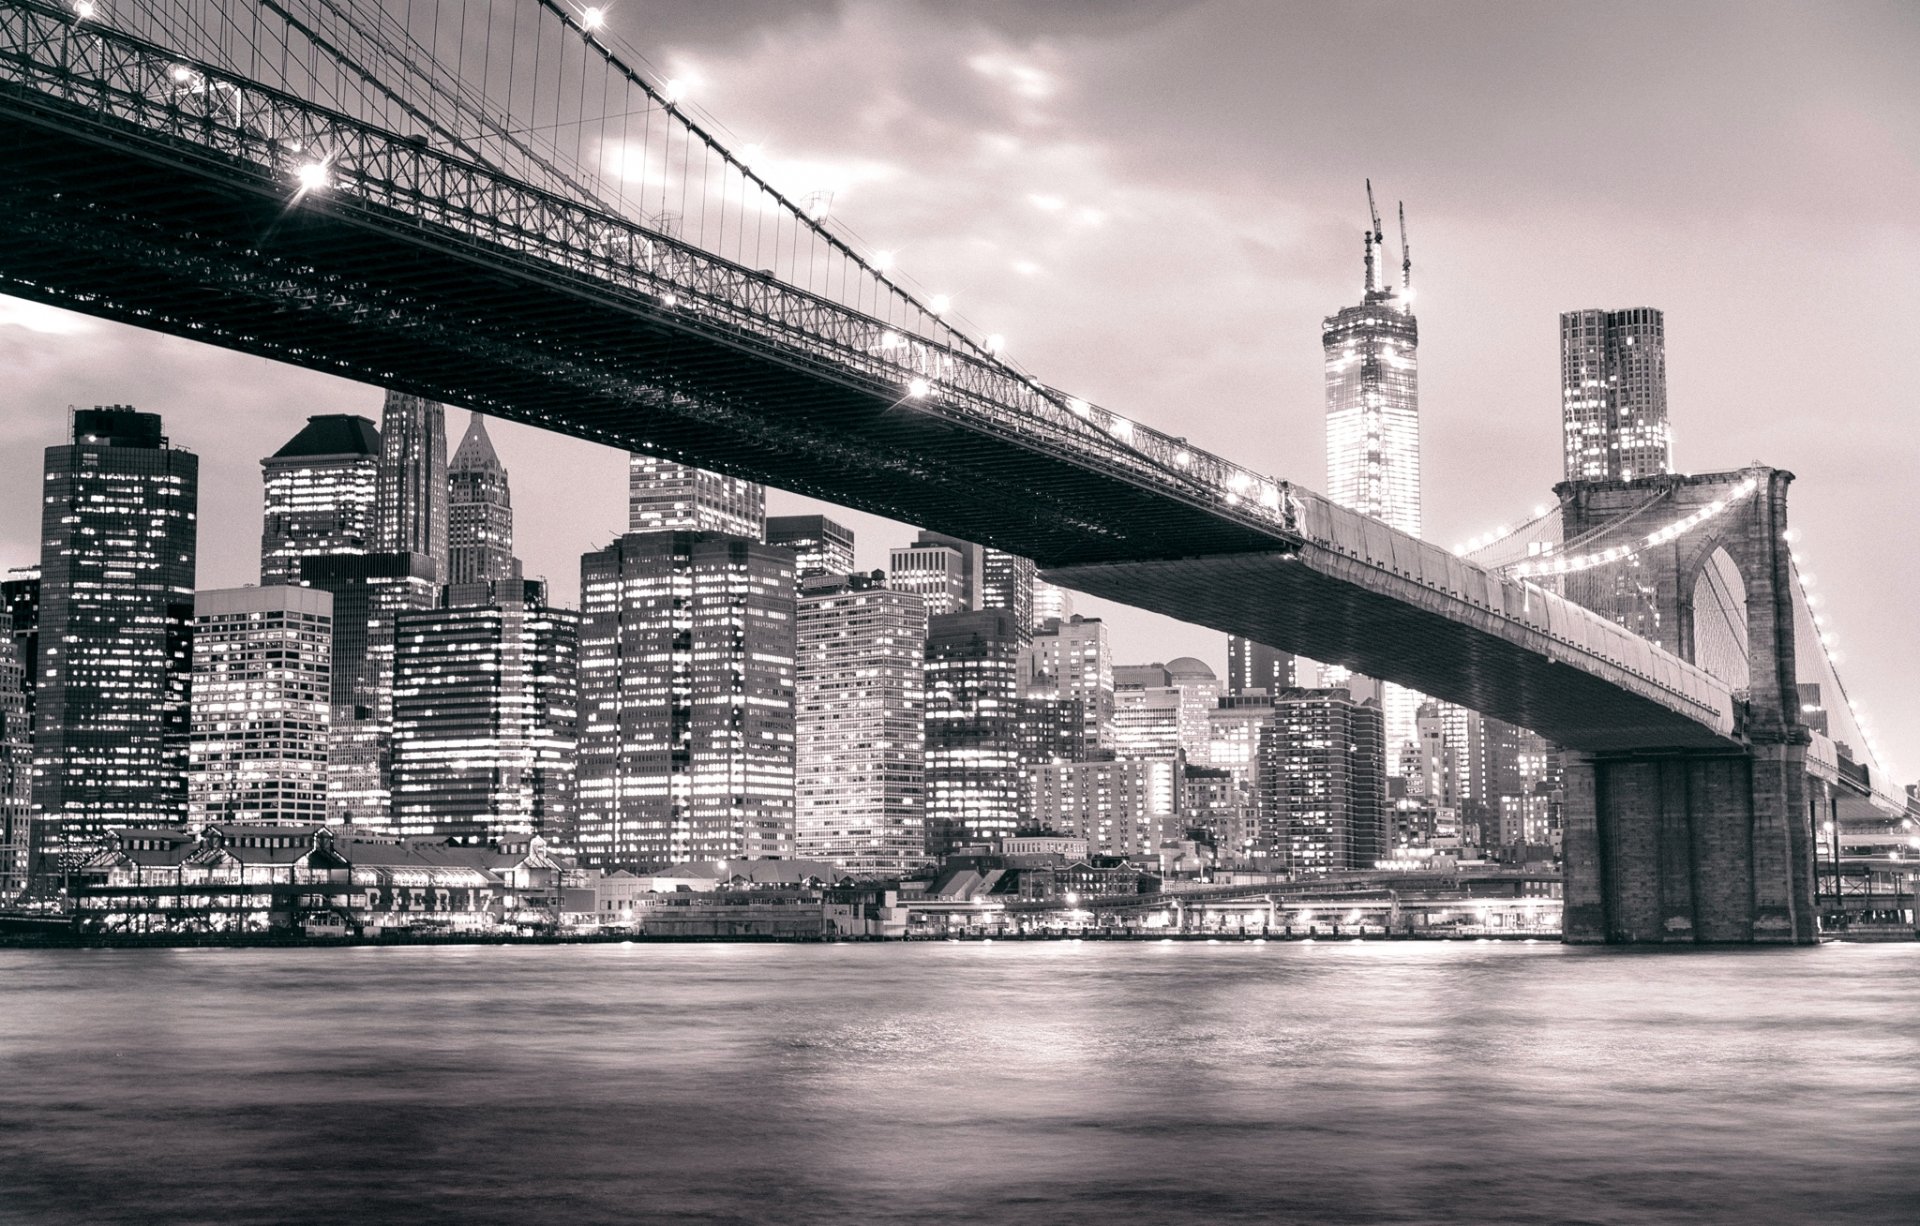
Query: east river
[[945, 1083]]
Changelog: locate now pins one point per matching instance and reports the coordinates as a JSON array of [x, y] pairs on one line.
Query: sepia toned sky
[[1156, 204]]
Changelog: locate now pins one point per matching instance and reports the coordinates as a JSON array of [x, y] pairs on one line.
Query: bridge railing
[[115, 76]]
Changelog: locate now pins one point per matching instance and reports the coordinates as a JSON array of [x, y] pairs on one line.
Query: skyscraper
[[820, 546], [1373, 421], [20, 593], [486, 716], [667, 496], [410, 496], [973, 759], [369, 593], [686, 694], [1613, 394], [860, 722], [1322, 792], [939, 569], [479, 512], [1007, 582], [117, 548], [262, 696], [16, 767], [1256, 666], [1050, 603], [1071, 659], [319, 495]]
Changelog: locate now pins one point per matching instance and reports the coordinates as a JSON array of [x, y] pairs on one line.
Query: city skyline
[[1732, 398]]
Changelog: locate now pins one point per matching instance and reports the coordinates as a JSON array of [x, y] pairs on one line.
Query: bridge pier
[[1689, 848]]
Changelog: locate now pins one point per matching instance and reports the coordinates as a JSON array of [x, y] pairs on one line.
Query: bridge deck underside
[[126, 224], [1441, 648]]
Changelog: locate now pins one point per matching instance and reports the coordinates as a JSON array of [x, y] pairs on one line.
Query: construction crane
[[1406, 255], [1374, 238]]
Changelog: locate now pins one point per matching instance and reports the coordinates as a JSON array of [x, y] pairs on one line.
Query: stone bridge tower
[[1689, 846]]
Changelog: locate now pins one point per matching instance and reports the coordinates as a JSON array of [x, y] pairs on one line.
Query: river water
[[942, 1083]]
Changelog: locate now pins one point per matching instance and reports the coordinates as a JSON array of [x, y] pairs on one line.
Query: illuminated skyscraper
[[1373, 423], [1122, 807], [486, 716], [820, 546], [20, 593], [262, 693], [1071, 659], [860, 720], [319, 495], [667, 496], [1255, 666], [973, 752], [940, 569], [479, 512], [1321, 789], [369, 591], [410, 494], [1050, 603], [686, 698], [16, 767], [1007, 582], [1613, 389], [117, 548]]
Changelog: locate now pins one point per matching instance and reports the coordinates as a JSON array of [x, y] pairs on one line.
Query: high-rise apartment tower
[[1613, 394]]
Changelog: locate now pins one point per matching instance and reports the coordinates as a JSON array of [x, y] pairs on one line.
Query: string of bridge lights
[[1566, 564]]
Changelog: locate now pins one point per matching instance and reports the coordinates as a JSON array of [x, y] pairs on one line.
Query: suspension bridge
[[492, 203]]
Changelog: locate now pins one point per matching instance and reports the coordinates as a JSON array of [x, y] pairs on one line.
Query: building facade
[[262, 704], [16, 767], [1072, 659], [1121, 806], [820, 546], [936, 569], [1006, 582], [319, 495], [1322, 782], [1613, 395], [369, 592], [410, 492], [687, 700], [973, 757], [486, 717], [667, 496], [860, 726], [1255, 666], [479, 512], [117, 549]]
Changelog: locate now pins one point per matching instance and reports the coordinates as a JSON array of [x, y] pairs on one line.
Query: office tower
[[1146, 719], [1613, 393], [973, 566], [479, 512], [1233, 745], [860, 726], [1519, 785], [1212, 800], [820, 546], [686, 698], [1050, 729], [319, 495], [1050, 604], [369, 592], [1071, 659], [117, 548], [973, 761], [410, 492], [1121, 806], [486, 716], [1373, 421], [1322, 781], [262, 694], [938, 569], [667, 496], [1256, 666], [20, 596], [1006, 582], [16, 766]]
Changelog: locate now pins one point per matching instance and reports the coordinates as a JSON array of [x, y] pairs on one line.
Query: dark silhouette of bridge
[[537, 231]]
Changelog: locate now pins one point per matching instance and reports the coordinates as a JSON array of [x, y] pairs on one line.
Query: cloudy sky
[[1156, 203]]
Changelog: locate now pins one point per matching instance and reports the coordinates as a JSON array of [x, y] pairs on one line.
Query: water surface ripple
[[936, 1083]]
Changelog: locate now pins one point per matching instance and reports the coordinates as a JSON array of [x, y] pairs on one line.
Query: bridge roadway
[[125, 196]]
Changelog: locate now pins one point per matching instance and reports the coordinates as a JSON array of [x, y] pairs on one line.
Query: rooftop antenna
[[1374, 237], [1406, 252]]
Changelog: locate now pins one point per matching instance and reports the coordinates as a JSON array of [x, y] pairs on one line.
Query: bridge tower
[[1686, 845]]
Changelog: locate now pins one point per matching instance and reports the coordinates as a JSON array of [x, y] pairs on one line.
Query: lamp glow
[[312, 176], [918, 389], [593, 19]]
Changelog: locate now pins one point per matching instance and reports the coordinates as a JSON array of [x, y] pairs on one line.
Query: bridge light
[[1077, 407], [593, 19], [1181, 459], [673, 90], [84, 9], [883, 260], [996, 342], [312, 176], [918, 388], [939, 303]]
